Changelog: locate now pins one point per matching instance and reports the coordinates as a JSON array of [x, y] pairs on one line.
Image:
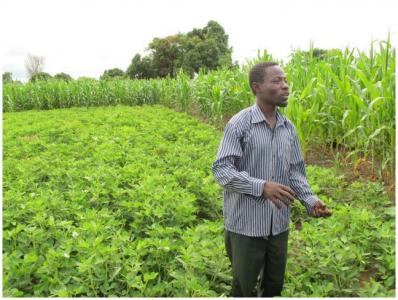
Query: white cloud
[[84, 38]]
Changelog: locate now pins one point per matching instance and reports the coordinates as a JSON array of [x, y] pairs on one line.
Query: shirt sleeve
[[298, 177], [225, 170]]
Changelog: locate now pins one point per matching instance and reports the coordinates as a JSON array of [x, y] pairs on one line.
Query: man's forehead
[[275, 71]]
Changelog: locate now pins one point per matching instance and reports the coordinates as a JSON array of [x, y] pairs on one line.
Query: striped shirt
[[250, 154]]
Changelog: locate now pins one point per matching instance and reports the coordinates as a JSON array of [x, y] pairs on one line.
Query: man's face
[[274, 90]]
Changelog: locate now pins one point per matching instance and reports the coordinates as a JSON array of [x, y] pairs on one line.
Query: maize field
[[108, 190]]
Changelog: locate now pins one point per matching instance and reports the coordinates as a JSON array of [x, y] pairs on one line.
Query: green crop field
[[344, 99], [120, 200]]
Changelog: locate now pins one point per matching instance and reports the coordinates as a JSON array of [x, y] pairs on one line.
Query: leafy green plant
[[120, 202]]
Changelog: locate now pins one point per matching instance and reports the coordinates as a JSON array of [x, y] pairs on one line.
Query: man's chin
[[282, 104]]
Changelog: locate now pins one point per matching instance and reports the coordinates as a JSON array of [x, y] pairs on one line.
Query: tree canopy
[[203, 48], [7, 77], [40, 76], [140, 68], [63, 76], [112, 74]]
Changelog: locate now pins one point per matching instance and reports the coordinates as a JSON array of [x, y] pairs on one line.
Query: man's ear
[[255, 87]]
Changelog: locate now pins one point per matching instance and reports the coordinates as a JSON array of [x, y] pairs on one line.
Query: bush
[[63, 76], [114, 73], [40, 76]]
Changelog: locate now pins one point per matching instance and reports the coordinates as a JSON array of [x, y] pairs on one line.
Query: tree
[[63, 76], [205, 48], [140, 68], [34, 64], [215, 32], [165, 53], [40, 76], [114, 73], [321, 53], [7, 77]]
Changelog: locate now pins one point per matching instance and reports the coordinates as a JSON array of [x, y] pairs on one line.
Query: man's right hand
[[278, 193]]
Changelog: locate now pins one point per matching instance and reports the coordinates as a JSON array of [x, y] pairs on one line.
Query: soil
[[360, 169], [298, 225], [366, 275]]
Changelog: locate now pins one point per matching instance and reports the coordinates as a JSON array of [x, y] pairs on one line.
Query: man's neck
[[269, 111]]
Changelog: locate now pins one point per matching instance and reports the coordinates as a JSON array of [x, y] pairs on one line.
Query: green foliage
[[345, 99], [63, 76], [357, 239], [164, 53], [205, 48], [318, 53], [7, 77], [140, 68], [40, 76], [86, 78], [100, 202], [114, 73], [120, 202]]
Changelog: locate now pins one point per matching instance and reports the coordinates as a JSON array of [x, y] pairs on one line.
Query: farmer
[[260, 165]]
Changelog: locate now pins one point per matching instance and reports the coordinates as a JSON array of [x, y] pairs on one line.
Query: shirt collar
[[258, 116]]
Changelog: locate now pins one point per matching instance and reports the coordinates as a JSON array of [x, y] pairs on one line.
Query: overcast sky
[[85, 37]]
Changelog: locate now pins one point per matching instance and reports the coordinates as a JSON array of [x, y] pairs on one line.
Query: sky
[[85, 37]]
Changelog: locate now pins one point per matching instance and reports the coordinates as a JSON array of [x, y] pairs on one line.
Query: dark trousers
[[254, 256]]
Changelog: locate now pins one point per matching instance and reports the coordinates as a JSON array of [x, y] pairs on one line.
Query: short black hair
[[257, 73]]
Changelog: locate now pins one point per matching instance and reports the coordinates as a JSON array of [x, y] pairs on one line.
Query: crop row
[[121, 202], [344, 98]]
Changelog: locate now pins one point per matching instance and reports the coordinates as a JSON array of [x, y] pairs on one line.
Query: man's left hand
[[320, 210]]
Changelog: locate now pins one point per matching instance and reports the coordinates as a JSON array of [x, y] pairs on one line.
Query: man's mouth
[[286, 96]]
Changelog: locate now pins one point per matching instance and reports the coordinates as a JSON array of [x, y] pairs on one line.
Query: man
[[260, 165]]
